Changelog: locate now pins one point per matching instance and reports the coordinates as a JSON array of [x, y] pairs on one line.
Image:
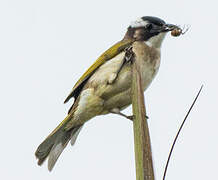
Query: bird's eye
[[149, 26]]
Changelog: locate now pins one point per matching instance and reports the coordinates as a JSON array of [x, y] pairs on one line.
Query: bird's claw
[[132, 117]]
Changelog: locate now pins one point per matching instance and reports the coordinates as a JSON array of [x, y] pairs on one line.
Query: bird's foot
[[117, 111], [133, 117]]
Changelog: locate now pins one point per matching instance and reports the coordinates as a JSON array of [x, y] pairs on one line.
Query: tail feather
[[58, 147], [54, 155], [55, 143], [75, 135], [44, 148]]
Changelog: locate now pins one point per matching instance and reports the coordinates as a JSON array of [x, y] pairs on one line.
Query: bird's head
[[151, 30]]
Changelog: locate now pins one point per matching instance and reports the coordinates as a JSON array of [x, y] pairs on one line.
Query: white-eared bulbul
[[106, 86]]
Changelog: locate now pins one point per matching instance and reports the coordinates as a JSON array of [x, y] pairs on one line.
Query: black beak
[[169, 27]]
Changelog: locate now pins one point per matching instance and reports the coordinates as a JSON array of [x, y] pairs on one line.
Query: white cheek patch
[[156, 41], [138, 23]]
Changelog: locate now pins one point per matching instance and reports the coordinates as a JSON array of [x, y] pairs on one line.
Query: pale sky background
[[46, 45]]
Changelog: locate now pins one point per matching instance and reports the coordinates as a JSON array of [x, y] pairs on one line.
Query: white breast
[[149, 59], [148, 72]]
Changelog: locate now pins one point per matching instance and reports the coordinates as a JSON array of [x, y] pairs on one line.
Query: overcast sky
[[46, 45]]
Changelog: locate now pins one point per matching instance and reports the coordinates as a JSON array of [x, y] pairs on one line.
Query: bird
[[106, 86]]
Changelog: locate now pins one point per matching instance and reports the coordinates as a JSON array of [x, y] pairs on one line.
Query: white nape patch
[[138, 23], [156, 41]]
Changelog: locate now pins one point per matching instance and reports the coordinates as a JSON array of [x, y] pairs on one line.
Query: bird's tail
[[55, 143]]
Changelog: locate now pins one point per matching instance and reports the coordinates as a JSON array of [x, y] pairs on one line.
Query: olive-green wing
[[107, 55]]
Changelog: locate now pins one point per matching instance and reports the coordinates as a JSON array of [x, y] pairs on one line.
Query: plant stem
[[143, 155]]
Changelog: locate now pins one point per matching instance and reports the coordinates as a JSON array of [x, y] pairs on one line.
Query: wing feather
[[107, 55]]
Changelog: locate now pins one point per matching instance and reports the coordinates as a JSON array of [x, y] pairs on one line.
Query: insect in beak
[[177, 31]]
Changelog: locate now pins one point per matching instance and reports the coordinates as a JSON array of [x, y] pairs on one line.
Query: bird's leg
[[127, 58], [117, 111], [124, 115]]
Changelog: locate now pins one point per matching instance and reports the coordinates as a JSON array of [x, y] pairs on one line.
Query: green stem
[[143, 155]]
